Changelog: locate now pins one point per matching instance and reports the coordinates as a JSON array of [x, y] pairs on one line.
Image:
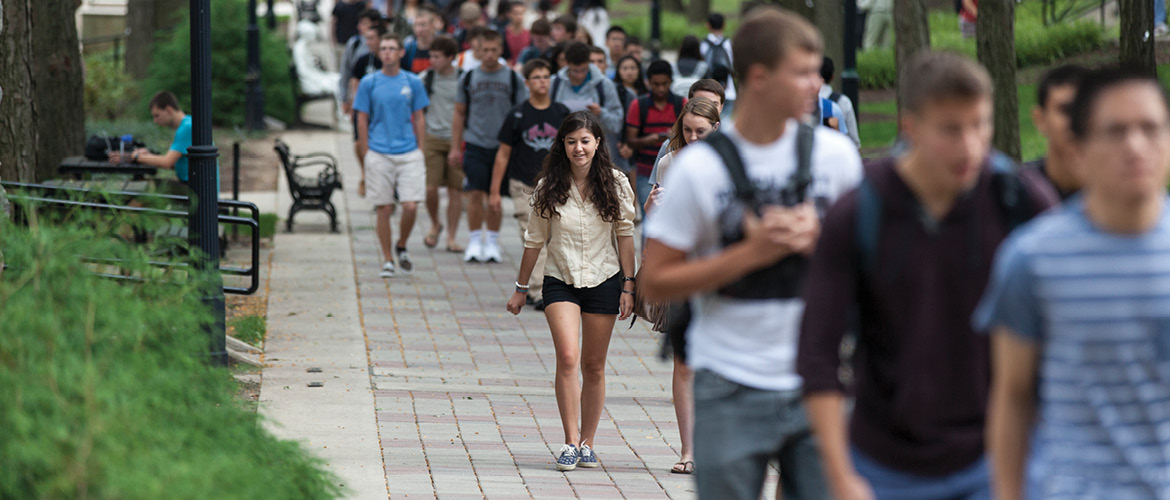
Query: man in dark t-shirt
[[526, 138], [1051, 115], [345, 20]]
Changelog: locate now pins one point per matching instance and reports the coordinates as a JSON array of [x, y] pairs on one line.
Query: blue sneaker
[[568, 459], [588, 458]]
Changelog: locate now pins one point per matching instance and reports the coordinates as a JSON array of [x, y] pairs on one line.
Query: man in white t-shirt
[[747, 394]]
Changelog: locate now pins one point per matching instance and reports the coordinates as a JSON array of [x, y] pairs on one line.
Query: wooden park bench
[[310, 192]]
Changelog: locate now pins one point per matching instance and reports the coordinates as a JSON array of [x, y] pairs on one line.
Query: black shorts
[[601, 299], [477, 168]]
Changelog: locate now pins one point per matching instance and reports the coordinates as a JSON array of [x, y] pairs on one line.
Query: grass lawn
[[881, 134]]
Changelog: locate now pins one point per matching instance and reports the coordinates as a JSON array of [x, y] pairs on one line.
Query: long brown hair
[[556, 178], [700, 107]]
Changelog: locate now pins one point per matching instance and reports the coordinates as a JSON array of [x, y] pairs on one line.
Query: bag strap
[[802, 178], [556, 85], [869, 220], [676, 102], [601, 93], [644, 104], [515, 86], [429, 82], [729, 154]]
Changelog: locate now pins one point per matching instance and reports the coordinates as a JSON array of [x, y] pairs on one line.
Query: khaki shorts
[[439, 174], [388, 175]]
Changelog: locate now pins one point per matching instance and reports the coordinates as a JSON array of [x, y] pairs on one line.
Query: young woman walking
[[699, 117], [583, 211]]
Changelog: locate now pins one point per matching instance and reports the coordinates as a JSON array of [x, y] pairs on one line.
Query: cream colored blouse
[[581, 246]]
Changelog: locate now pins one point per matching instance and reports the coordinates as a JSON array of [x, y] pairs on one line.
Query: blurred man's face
[[952, 137], [165, 117], [559, 34], [1125, 154], [616, 43], [542, 42], [489, 53], [788, 89], [660, 86], [423, 23], [373, 40], [1052, 120], [440, 60], [390, 52], [538, 82], [516, 14], [599, 61], [578, 72], [712, 96], [635, 50]]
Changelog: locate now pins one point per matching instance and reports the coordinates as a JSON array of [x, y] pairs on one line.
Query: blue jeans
[[972, 483], [1159, 12], [643, 185], [739, 429]]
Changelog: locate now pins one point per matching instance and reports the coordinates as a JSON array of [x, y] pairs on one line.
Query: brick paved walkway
[[464, 390]]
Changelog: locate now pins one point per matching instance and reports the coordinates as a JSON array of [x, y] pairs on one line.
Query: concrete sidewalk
[[431, 382]]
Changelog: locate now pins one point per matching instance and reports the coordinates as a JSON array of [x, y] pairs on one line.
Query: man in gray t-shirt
[[485, 96], [441, 82]]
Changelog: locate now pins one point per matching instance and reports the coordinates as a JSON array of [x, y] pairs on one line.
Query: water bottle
[[126, 139]]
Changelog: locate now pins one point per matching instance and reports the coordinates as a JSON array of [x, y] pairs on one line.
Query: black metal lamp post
[[203, 223], [849, 76], [271, 15], [655, 30], [254, 95]]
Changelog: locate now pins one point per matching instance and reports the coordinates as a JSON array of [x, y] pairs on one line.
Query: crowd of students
[[1010, 323]]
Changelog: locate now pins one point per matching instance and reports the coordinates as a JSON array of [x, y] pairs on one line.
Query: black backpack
[[718, 61], [465, 83], [98, 147], [783, 279]]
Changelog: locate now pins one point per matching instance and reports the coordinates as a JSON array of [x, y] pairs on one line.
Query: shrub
[[170, 68], [109, 91], [1036, 44], [106, 393], [675, 27]]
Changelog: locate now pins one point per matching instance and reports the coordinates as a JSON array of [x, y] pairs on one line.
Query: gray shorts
[[740, 429]]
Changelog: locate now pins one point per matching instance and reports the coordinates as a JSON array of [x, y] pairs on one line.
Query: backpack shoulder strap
[[676, 102], [1015, 204], [868, 219], [601, 93], [429, 82], [515, 86], [802, 178], [729, 154], [835, 96], [644, 104]]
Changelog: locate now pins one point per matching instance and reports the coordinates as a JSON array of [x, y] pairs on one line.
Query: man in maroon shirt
[[911, 251]]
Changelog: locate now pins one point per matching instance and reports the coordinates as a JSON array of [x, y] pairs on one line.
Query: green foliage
[[109, 91], [1036, 44], [106, 393], [171, 67], [675, 27], [250, 329]]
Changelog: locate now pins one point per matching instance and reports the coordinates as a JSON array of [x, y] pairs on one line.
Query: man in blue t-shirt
[[1079, 312], [391, 127], [165, 110]]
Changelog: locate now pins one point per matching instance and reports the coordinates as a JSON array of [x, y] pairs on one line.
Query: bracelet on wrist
[[522, 291], [520, 287], [629, 279], [631, 292]]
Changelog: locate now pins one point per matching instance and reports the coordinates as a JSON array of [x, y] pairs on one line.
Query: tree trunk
[[996, 42], [698, 10], [829, 18], [38, 43], [1137, 35], [911, 32], [145, 18], [673, 6]]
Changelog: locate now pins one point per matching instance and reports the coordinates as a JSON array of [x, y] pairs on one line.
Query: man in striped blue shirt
[[1079, 312]]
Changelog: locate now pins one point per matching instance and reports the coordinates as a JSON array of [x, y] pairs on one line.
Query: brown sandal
[[432, 239], [683, 467]]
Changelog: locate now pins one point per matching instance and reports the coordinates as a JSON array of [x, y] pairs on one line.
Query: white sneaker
[[387, 269], [491, 253], [474, 252]]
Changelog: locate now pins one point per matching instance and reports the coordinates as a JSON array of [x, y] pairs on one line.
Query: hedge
[[106, 392]]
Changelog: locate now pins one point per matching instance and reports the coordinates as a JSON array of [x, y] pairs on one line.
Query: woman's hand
[[625, 151], [652, 200], [517, 302], [627, 306]]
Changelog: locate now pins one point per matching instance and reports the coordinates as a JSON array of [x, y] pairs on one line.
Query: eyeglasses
[[545, 77], [1121, 131]]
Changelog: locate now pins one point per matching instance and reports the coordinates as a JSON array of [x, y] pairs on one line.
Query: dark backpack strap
[[556, 85], [515, 86], [644, 104], [676, 102], [869, 219], [1015, 204], [601, 94], [465, 85], [802, 178], [729, 154], [429, 82], [835, 96]]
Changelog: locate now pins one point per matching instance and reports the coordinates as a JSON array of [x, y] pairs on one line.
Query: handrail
[[253, 222]]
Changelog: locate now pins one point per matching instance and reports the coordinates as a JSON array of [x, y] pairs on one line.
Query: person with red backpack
[[648, 123]]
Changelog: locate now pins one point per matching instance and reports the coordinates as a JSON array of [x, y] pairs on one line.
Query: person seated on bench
[[165, 111]]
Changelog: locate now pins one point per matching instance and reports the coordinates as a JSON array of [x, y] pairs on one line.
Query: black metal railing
[[116, 39], [19, 192]]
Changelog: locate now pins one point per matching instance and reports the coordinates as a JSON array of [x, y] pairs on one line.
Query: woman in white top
[[699, 117], [583, 212]]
